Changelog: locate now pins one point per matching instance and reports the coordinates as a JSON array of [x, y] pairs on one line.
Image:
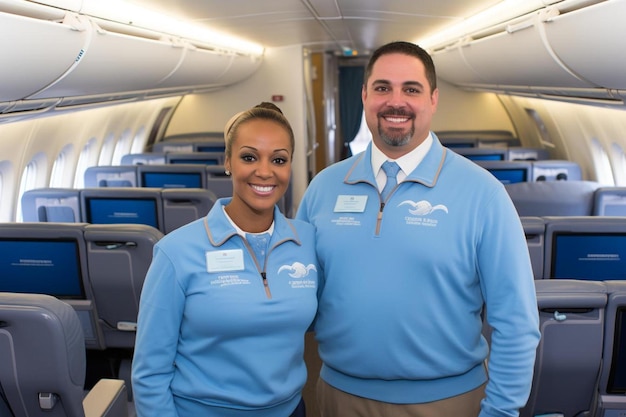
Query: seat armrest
[[107, 398]]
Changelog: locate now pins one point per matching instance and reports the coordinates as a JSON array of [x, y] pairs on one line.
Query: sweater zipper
[[265, 285], [262, 272], [379, 217]]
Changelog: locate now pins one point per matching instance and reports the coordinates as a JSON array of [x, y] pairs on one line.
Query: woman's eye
[[280, 161], [248, 158]]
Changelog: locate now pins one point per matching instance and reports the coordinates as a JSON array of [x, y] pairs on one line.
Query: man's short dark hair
[[406, 48]]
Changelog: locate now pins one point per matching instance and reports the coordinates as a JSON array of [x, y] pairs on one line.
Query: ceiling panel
[[322, 24]]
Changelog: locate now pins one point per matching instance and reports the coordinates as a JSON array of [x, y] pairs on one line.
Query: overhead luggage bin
[[117, 62], [241, 67], [590, 42], [69, 55], [41, 51], [544, 53], [519, 58], [205, 67]]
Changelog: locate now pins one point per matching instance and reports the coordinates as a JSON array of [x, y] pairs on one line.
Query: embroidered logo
[[423, 207], [297, 269]]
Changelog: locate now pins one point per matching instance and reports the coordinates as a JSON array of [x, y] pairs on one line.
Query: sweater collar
[[219, 229], [426, 173]]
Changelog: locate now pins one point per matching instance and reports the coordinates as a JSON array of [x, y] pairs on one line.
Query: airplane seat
[[483, 153], [51, 258], [556, 170], [180, 146], [508, 172], [51, 205], [518, 153], [133, 205], [610, 201], [612, 385], [205, 158], [61, 214], [143, 158], [222, 186], [477, 138], [118, 258], [534, 229], [43, 361], [585, 248], [553, 198], [172, 176], [184, 205], [113, 182], [111, 176], [569, 354]]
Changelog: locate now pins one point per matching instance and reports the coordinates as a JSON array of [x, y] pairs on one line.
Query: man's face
[[398, 103]]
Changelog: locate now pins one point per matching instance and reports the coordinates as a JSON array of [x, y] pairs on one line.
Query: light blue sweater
[[399, 315], [210, 341]]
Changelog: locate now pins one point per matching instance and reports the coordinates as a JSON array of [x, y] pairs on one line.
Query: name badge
[[224, 260], [350, 204]]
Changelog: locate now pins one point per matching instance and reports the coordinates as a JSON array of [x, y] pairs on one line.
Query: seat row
[[510, 172], [165, 209], [567, 198], [206, 157], [191, 142], [43, 364], [168, 175], [580, 367], [98, 269], [188, 175], [513, 153], [577, 247]]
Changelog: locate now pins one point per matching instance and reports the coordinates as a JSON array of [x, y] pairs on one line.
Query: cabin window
[[84, 161], [601, 163], [30, 179], [618, 159], [106, 152], [139, 141], [122, 147], [541, 127], [60, 167]]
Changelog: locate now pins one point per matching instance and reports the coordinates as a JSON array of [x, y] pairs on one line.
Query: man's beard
[[398, 139]]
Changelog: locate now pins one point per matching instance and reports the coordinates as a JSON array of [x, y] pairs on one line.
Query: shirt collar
[[219, 228], [407, 162]]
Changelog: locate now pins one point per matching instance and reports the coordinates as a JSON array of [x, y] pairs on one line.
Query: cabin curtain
[[350, 105]]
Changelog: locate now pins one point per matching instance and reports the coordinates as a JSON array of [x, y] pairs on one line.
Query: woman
[[229, 297]]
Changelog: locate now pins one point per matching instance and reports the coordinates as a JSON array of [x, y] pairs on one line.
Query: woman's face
[[260, 165]]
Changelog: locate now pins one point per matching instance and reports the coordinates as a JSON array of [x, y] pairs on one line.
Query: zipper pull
[[267, 287]]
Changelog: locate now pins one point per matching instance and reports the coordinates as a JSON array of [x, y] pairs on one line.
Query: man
[[409, 275]]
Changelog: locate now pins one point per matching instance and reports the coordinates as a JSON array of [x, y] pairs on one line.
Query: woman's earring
[[227, 172]]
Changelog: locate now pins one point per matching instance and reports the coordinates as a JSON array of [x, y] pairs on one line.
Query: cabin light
[[121, 11], [498, 14]]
